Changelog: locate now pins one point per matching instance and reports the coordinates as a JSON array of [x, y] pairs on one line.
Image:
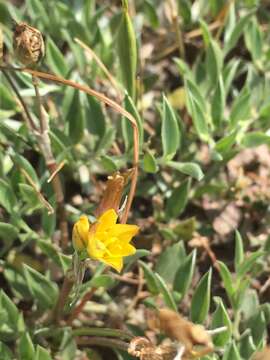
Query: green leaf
[[127, 52], [218, 103], [214, 62], [23, 163], [187, 168], [95, 118], [246, 345], [170, 134], [55, 59], [177, 202], [231, 352], [30, 196], [241, 107], [11, 321], [53, 253], [221, 318], [167, 295], [227, 280], [76, 119], [197, 110], [42, 354], [254, 139], [248, 264], [201, 299], [185, 273], [8, 233], [149, 163], [237, 31], [127, 129], [150, 277], [239, 251], [169, 261], [43, 290], [7, 197], [254, 39], [26, 348], [105, 281], [5, 352]]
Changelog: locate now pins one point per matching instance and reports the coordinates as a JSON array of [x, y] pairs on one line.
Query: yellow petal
[[121, 249], [114, 262], [95, 248], [123, 231], [107, 220], [80, 233]]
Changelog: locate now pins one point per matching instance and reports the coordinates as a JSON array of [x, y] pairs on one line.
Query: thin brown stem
[[63, 296]]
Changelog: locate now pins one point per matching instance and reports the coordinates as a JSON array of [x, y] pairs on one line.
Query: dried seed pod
[[184, 332], [28, 44]]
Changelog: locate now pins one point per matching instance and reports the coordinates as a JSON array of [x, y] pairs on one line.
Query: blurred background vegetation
[[195, 75]]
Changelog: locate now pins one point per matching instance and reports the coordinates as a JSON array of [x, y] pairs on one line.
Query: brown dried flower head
[[143, 349], [28, 44]]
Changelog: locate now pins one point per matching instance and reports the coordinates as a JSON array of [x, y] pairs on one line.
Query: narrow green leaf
[[127, 52], [197, 112], [169, 261], [43, 290], [5, 352], [167, 295], [7, 197], [76, 119], [150, 277], [127, 129], [105, 281], [254, 139], [149, 163], [170, 134], [221, 318], [218, 103], [227, 279], [184, 274], [187, 168], [55, 59], [231, 41], [201, 299], [239, 251], [241, 107], [254, 39], [214, 62], [23, 163], [42, 354], [95, 118], [248, 264], [177, 202], [231, 352], [26, 348]]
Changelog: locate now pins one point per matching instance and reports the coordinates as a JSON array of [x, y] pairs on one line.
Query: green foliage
[[202, 198]]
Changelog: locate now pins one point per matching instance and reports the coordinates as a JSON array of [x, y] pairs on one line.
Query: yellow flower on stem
[[105, 240]]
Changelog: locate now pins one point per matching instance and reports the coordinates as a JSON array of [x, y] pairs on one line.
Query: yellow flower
[[105, 240]]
